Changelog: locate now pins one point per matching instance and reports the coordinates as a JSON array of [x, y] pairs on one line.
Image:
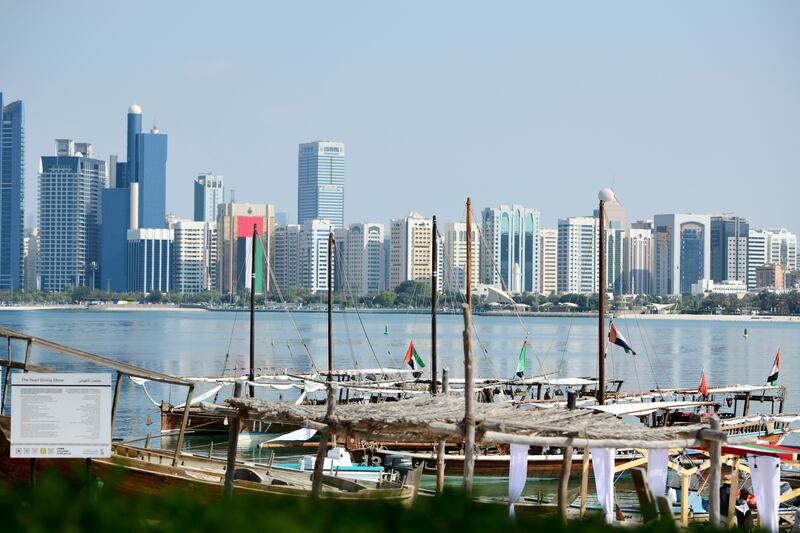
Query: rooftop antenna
[[233, 196]]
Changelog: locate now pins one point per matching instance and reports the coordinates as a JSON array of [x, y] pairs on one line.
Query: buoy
[[386, 329]]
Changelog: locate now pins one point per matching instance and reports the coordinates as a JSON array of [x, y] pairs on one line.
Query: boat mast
[[253, 312], [331, 244], [434, 304], [605, 195]]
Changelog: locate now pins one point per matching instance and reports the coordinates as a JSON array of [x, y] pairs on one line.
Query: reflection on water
[[671, 352]]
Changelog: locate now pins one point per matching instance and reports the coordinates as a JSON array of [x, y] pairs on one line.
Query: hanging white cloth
[[765, 472], [204, 396], [657, 471], [517, 474], [603, 467]]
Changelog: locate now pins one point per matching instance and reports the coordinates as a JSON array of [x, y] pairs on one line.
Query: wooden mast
[[605, 195], [252, 375], [434, 303]]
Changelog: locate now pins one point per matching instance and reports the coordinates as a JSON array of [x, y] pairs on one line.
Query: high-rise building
[[234, 227], [410, 249], [757, 254], [286, 257], [151, 174], [69, 216], [12, 193], [209, 193], [510, 248], [682, 252], [150, 260], [139, 184], [194, 255], [454, 266], [548, 260], [729, 236], [783, 248], [359, 259], [640, 257], [617, 253], [31, 253], [313, 255], [577, 255], [320, 182]]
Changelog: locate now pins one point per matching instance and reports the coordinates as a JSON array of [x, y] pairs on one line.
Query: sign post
[[60, 415]]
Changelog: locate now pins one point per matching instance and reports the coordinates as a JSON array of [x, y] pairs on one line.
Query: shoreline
[[620, 316]]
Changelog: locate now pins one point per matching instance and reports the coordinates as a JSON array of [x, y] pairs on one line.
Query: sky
[[680, 106]]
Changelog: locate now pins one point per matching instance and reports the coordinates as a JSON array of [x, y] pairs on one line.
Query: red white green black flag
[[776, 368], [412, 358]]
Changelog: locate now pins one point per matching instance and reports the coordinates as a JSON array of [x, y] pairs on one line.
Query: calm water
[[670, 352]]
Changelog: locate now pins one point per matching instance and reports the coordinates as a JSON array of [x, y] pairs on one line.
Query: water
[[671, 353]]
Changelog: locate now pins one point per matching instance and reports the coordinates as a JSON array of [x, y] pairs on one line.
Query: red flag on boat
[[703, 385]]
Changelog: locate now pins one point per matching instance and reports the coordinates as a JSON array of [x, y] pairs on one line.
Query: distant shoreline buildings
[[104, 225]]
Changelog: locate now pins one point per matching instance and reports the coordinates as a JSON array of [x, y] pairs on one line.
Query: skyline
[[703, 109]]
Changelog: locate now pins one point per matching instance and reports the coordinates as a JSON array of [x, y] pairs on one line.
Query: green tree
[[155, 297]]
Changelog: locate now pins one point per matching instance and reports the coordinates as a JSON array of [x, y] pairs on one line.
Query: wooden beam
[[563, 483], [684, 500], [731, 510], [325, 434], [630, 464], [184, 423], [469, 400], [644, 495], [714, 479], [584, 480]]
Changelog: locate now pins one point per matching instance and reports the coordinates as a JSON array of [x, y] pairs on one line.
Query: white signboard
[[60, 415]]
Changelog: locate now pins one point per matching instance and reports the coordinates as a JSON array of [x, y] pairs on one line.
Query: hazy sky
[[682, 106]]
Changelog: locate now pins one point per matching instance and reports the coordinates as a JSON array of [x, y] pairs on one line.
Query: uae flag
[[521, 363], [244, 254], [703, 388], [776, 367], [412, 358], [615, 337]]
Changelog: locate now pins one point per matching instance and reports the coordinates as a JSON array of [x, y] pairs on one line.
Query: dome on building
[[135, 109]]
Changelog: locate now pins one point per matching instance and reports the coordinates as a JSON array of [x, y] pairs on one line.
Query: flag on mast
[[776, 368], [412, 357], [615, 337], [703, 388], [521, 363]]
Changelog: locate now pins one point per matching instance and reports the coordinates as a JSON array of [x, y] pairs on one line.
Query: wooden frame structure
[[123, 369]]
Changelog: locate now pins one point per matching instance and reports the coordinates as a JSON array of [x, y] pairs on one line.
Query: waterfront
[[671, 353]]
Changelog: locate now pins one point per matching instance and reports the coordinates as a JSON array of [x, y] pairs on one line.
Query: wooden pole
[[469, 371], [115, 401], [324, 437], [184, 423], [584, 480], [252, 313], [731, 510], [440, 462], [563, 483], [434, 304], [601, 312], [234, 426], [331, 244], [469, 404], [6, 379], [715, 449], [684, 499]]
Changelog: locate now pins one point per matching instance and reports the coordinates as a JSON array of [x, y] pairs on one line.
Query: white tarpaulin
[[302, 434], [765, 473], [657, 471], [603, 467], [517, 474]]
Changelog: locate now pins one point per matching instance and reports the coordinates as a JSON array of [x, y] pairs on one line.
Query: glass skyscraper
[[12, 191], [208, 194], [510, 258], [69, 216], [320, 182]]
